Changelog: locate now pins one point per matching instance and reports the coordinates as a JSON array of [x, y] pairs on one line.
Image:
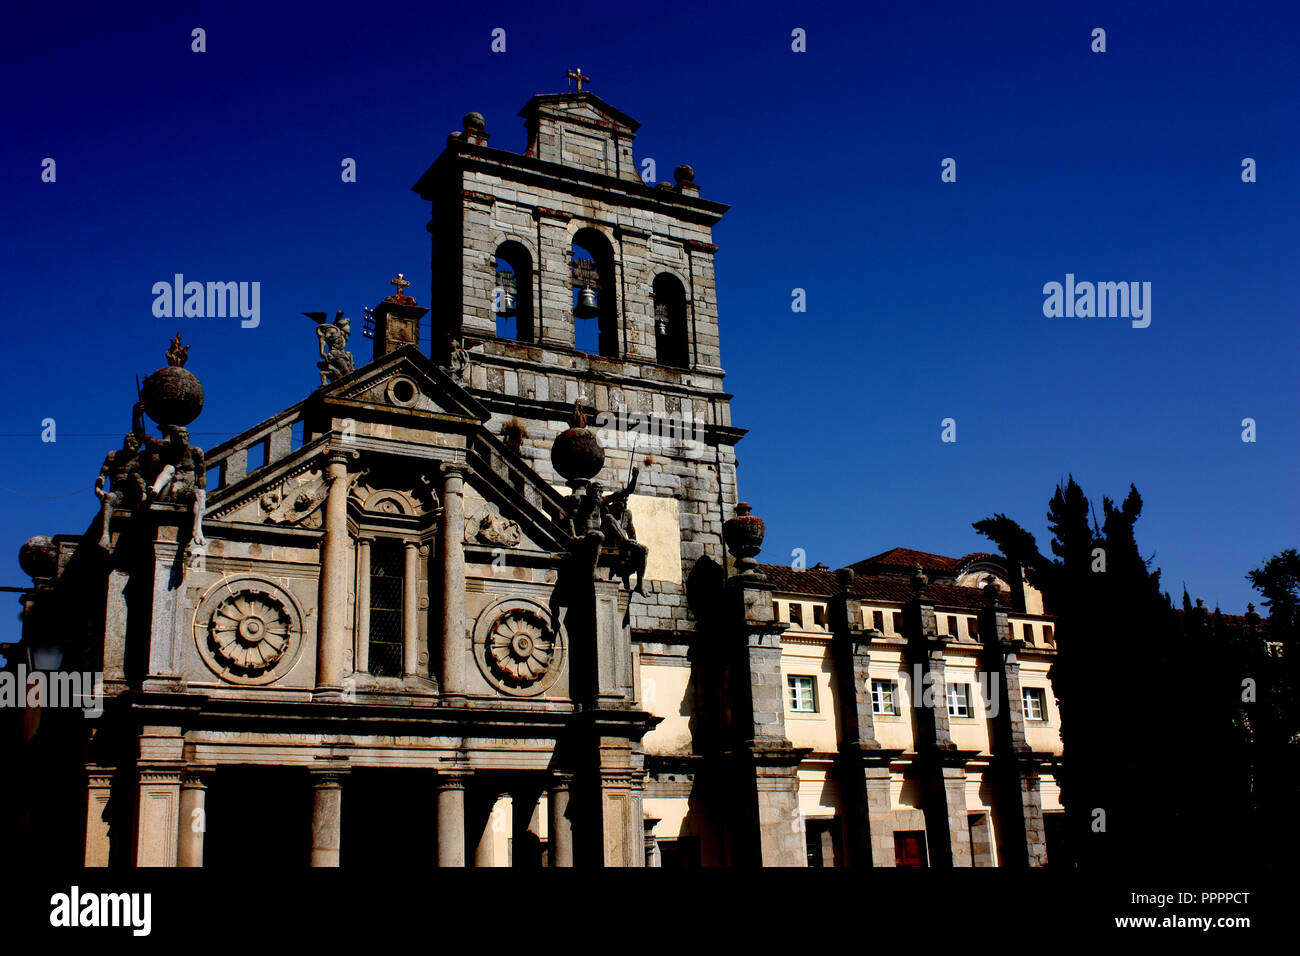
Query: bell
[[506, 304], [587, 307]]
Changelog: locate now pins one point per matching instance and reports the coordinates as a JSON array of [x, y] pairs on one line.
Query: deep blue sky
[[924, 298]]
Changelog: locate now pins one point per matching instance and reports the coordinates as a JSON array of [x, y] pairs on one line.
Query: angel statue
[[336, 361]]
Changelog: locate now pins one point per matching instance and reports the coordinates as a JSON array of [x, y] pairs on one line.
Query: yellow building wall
[[815, 730], [893, 733], [1041, 736], [666, 692], [968, 733]]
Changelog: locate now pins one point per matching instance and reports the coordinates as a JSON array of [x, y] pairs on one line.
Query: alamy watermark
[[45, 689], [212, 300], [651, 432], [1085, 300]]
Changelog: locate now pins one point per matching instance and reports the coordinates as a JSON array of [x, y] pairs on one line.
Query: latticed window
[[386, 608], [884, 697], [1035, 703], [803, 696], [959, 700]]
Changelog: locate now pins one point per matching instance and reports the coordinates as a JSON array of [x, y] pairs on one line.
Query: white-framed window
[[884, 697], [803, 694], [959, 700], [1035, 703]]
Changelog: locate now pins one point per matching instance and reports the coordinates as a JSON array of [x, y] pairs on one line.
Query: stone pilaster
[[939, 765], [99, 786], [451, 544], [411, 609], [333, 595], [1016, 783], [862, 768], [621, 813], [613, 646], [361, 629], [157, 814], [555, 303], [193, 822], [762, 764], [169, 615], [326, 815], [158, 794], [451, 818]]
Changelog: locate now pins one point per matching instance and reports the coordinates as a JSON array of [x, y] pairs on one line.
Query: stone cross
[[577, 75], [400, 282]]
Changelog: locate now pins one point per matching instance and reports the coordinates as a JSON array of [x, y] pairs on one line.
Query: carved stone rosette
[[248, 630], [517, 648]]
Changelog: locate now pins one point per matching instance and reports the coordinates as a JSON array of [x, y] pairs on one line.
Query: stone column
[[498, 819], [452, 543], [361, 650], [326, 815], [99, 785], [524, 817], [333, 603], [410, 609], [451, 818], [193, 820], [560, 828]]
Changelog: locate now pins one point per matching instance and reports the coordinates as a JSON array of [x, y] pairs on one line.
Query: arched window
[[512, 296], [595, 310], [672, 343]]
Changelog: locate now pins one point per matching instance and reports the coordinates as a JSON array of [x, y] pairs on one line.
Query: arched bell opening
[[672, 338], [595, 304], [512, 294]]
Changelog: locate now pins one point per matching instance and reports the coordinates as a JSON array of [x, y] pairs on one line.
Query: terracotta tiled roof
[[907, 559], [890, 590]]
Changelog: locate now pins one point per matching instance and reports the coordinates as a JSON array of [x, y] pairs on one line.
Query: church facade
[[493, 599]]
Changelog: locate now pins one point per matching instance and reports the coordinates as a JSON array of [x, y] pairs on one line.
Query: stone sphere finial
[[473, 121], [683, 174], [173, 395], [38, 557], [576, 453]]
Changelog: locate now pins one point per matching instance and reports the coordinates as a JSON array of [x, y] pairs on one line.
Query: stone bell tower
[[565, 279]]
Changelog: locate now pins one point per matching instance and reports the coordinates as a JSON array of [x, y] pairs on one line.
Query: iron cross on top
[[401, 284], [577, 76]]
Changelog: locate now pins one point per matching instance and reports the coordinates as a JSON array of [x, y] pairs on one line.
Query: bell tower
[[567, 279]]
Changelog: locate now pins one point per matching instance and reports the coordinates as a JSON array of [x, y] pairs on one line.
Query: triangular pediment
[[405, 381], [584, 107]]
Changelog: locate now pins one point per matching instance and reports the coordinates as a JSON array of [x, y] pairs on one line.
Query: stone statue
[[457, 359], [335, 362], [596, 518], [179, 473], [617, 525], [126, 487]]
